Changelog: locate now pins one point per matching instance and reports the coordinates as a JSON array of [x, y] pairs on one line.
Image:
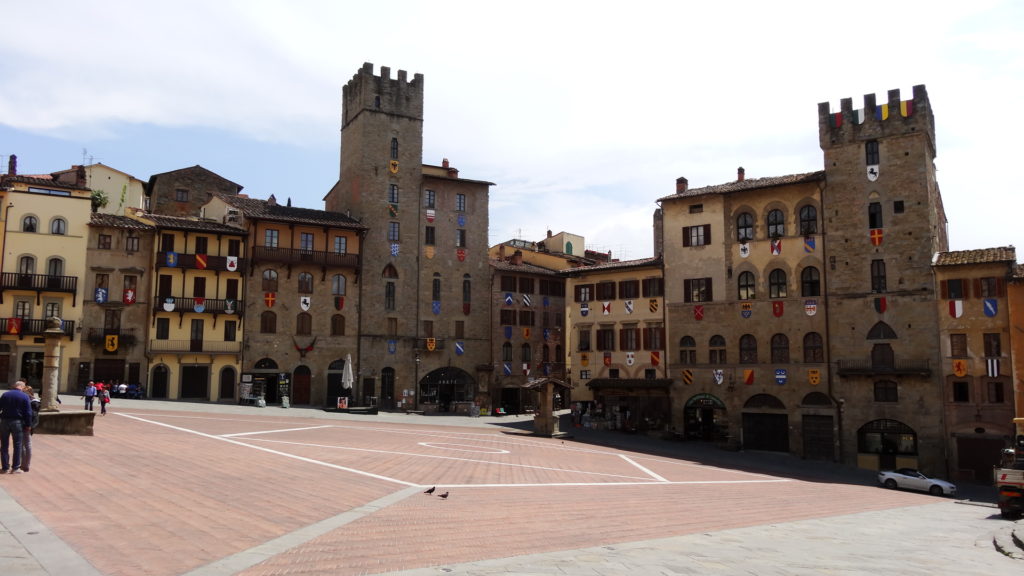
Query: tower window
[[874, 215], [429, 199], [394, 148], [878, 275], [393, 193], [460, 202], [871, 152], [393, 231]]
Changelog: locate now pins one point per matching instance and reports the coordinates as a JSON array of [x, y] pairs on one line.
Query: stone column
[[51, 364]]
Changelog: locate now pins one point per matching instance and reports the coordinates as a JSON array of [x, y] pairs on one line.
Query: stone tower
[[883, 220], [424, 287]]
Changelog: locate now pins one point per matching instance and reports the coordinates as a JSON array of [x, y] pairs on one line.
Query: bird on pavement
[[445, 495], [430, 490]]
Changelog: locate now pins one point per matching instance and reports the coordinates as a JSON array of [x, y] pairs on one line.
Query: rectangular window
[[606, 290], [131, 244], [231, 289], [199, 287], [428, 236], [653, 287], [629, 338], [163, 328], [987, 288], [507, 317], [429, 199], [202, 243], [270, 238], [526, 285], [654, 337], [605, 338], [23, 309], [629, 289], [871, 152], [340, 245], [961, 392], [696, 208], [181, 195], [897, 207], [995, 393], [389, 295], [584, 374], [874, 215], [697, 290], [112, 320], [613, 372], [103, 242], [428, 328], [993, 345], [230, 330], [878, 275], [584, 292], [526, 318], [958, 345], [234, 248], [167, 242], [52, 309], [305, 241], [650, 373], [392, 327], [886, 391], [954, 289], [102, 283], [508, 283], [460, 238], [393, 232], [697, 235], [460, 202], [460, 329], [584, 339], [393, 193], [129, 291]]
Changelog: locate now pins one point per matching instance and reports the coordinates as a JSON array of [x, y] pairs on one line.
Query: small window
[[776, 224], [393, 193], [745, 284], [958, 345], [961, 392], [871, 152], [878, 275], [777, 284], [988, 287], [304, 324], [29, 224], [131, 244], [716, 350], [780, 349], [810, 282], [306, 241], [993, 345], [460, 238], [340, 245], [394, 148], [748, 349], [337, 325], [435, 291], [995, 393], [874, 215], [956, 289], [59, 226], [744, 227], [808, 220], [460, 202], [886, 391], [696, 208], [103, 242], [697, 290], [181, 195], [26, 265], [305, 283], [429, 199], [163, 328], [230, 330], [897, 207], [393, 232], [697, 235], [687, 351], [270, 238], [338, 285], [269, 281], [389, 295], [814, 348], [268, 323]]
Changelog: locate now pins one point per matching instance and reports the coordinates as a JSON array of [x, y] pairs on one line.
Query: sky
[[583, 113]]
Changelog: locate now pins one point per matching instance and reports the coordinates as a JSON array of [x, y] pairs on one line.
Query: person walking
[[15, 413], [29, 429], [90, 395], [104, 394]]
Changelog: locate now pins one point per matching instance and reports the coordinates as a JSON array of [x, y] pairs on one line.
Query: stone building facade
[[424, 319], [183, 192]]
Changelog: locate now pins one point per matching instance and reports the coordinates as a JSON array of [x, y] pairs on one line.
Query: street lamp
[[416, 384]]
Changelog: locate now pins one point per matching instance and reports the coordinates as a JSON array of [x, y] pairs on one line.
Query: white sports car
[[914, 480]]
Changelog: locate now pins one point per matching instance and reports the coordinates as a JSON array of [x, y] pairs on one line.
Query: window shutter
[[977, 286], [710, 295], [944, 289], [1000, 287], [707, 234], [686, 291], [686, 236], [966, 283]]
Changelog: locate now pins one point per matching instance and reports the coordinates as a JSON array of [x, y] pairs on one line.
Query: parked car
[[914, 480]]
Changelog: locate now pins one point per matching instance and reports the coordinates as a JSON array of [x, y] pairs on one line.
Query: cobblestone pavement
[[169, 488]]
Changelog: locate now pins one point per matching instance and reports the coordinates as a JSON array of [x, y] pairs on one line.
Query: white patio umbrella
[[346, 376]]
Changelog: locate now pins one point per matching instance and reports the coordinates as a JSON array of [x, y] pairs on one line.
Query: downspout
[[838, 402]]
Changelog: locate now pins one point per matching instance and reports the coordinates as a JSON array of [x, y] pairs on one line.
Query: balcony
[[210, 306], [33, 327], [862, 367], [292, 256], [188, 261], [38, 282], [98, 336], [194, 347]]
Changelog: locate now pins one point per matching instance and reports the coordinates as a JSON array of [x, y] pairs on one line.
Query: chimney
[[444, 163], [452, 172], [549, 233], [501, 252], [681, 183], [12, 166], [272, 201], [80, 176], [740, 174], [517, 258]]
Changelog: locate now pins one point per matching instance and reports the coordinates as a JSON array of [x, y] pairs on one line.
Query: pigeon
[[430, 490], [445, 495]]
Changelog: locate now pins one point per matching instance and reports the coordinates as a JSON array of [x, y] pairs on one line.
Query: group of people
[[19, 416], [94, 391]]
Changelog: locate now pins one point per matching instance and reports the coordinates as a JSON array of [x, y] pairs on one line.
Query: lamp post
[[416, 384]]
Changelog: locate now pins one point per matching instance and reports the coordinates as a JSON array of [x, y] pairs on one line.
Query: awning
[[541, 382]]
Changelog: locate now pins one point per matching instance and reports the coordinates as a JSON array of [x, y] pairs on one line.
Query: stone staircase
[[1009, 540]]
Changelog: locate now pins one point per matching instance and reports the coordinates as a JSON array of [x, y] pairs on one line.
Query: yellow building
[[616, 343], [1015, 301], [43, 257]]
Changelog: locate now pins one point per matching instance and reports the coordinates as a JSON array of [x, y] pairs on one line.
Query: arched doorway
[[445, 386], [886, 445], [265, 378], [704, 418], [301, 384], [161, 376], [335, 389], [387, 388], [765, 424], [817, 427], [227, 384]]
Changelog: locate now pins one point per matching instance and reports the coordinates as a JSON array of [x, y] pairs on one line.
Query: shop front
[[631, 404]]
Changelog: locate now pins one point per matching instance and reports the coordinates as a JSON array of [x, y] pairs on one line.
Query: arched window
[[305, 283], [687, 351], [716, 350], [526, 354], [814, 348], [265, 364], [26, 265], [745, 284], [268, 323], [29, 224], [337, 325], [506, 352], [59, 226], [338, 285], [389, 272], [886, 437], [780, 349], [808, 220], [389, 295], [776, 224], [435, 287], [748, 349], [55, 267], [777, 283], [745, 227], [304, 324], [269, 281], [810, 282], [882, 331]]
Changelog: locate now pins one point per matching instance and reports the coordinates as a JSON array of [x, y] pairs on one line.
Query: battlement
[[365, 91], [891, 118]]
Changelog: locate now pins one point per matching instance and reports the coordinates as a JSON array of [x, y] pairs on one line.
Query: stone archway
[[446, 386], [765, 424]]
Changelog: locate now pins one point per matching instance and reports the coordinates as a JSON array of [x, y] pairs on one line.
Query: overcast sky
[[582, 113]]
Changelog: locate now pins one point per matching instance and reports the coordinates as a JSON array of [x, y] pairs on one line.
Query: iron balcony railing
[[207, 306], [293, 256], [921, 367], [33, 326], [199, 346], [38, 282], [192, 262]]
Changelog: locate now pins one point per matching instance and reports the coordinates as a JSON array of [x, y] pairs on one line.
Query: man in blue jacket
[[15, 414]]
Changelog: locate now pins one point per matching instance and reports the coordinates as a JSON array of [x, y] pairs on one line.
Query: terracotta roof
[[749, 184], [114, 221], [622, 264], [524, 268], [254, 209], [175, 223], [1018, 272], [980, 256], [40, 180]]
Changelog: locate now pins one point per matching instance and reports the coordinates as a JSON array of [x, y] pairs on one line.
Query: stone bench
[[73, 422]]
